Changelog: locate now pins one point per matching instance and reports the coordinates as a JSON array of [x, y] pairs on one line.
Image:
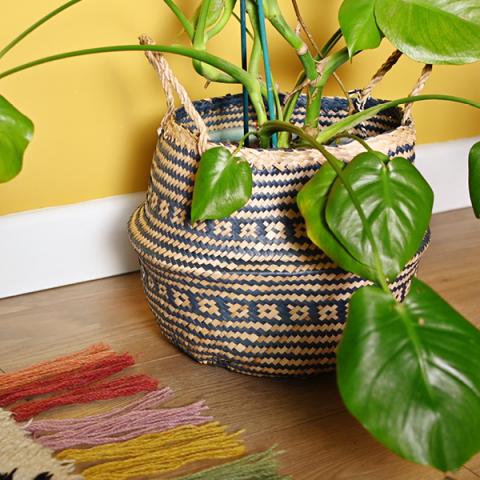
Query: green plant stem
[[250, 83], [223, 20], [334, 39], [357, 118], [186, 23], [256, 53], [358, 139], [37, 24], [237, 18], [332, 160], [200, 38], [279, 23]]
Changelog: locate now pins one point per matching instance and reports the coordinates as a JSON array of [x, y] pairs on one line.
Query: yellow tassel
[[157, 453]]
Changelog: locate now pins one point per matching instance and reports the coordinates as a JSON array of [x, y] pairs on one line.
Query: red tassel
[[91, 372], [121, 387]]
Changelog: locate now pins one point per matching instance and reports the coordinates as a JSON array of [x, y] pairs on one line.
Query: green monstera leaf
[[358, 24], [312, 201], [474, 178], [432, 31], [223, 185], [410, 373], [16, 131], [397, 203]]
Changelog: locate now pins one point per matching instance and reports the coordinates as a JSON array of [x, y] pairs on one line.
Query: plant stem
[[240, 75], [278, 21], [319, 52], [187, 25], [358, 139], [200, 43], [334, 39], [357, 118], [37, 24], [333, 162]]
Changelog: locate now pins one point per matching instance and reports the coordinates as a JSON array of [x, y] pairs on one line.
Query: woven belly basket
[[250, 293]]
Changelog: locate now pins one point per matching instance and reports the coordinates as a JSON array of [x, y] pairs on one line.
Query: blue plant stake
[[243, 18], [268, 70]]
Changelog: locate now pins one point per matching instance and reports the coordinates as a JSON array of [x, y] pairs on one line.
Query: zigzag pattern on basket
[[141, 438], [251, 292]]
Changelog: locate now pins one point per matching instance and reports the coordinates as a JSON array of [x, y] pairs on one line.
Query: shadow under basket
[[251, 293]]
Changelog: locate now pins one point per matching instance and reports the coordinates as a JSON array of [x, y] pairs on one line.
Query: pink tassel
[[122, 424]]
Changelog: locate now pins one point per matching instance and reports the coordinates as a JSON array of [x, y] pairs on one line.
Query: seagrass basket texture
[[250, 293]]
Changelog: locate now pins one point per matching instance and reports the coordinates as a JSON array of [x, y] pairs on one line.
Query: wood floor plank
[[305, 418]]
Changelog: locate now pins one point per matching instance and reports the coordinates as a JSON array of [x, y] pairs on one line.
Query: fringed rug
[[140, 440]]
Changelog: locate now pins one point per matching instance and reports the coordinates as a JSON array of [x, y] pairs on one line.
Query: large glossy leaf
[[474, 178], [16, 131], [358, 24], [223, 184], [397, 203], [312, 201], [432, 31], [410, 373]]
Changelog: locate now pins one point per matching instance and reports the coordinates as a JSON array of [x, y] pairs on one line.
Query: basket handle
[[171, 85], [366, 93]]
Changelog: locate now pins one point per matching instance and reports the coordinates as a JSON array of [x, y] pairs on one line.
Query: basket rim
[[286, 158]]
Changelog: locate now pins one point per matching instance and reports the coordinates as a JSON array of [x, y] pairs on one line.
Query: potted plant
[[270, 215]]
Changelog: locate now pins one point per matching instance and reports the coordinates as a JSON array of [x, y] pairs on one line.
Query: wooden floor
[[305, 418]]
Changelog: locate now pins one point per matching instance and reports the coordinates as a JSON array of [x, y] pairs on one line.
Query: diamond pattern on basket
[[268, 311], [179, 215], [181, 300], [163, 209], [207, 305], [299, 312], [222, 229], [237, 310], [248, 230], [328, 312], [275, 230], [300, 230]]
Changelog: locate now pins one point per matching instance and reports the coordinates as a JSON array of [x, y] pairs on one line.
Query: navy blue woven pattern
[[250, 292]]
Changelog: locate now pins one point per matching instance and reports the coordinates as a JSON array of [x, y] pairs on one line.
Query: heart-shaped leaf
[[311, 201], [223, 185], [432, 31], [474, 178], [397, 203], [358, 24], [16, 131], [410, 373]]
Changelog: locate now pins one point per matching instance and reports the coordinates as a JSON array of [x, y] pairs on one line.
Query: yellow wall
[[96, 117]]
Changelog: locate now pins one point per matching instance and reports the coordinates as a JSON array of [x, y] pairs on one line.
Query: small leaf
[[358, 24], [223, 185], [410, 373], [474, 178], [16, 131], [311, 201], [397, 202], [433, 31]]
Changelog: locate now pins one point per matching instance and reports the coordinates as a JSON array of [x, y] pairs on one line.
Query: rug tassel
[[89, 373], [121, 387], [133, 423], [158, 453], [67, 364], [259, 466], [27, 458]]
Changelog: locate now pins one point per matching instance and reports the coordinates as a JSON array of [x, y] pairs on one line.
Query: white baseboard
[[445, 166], [58, 246]]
